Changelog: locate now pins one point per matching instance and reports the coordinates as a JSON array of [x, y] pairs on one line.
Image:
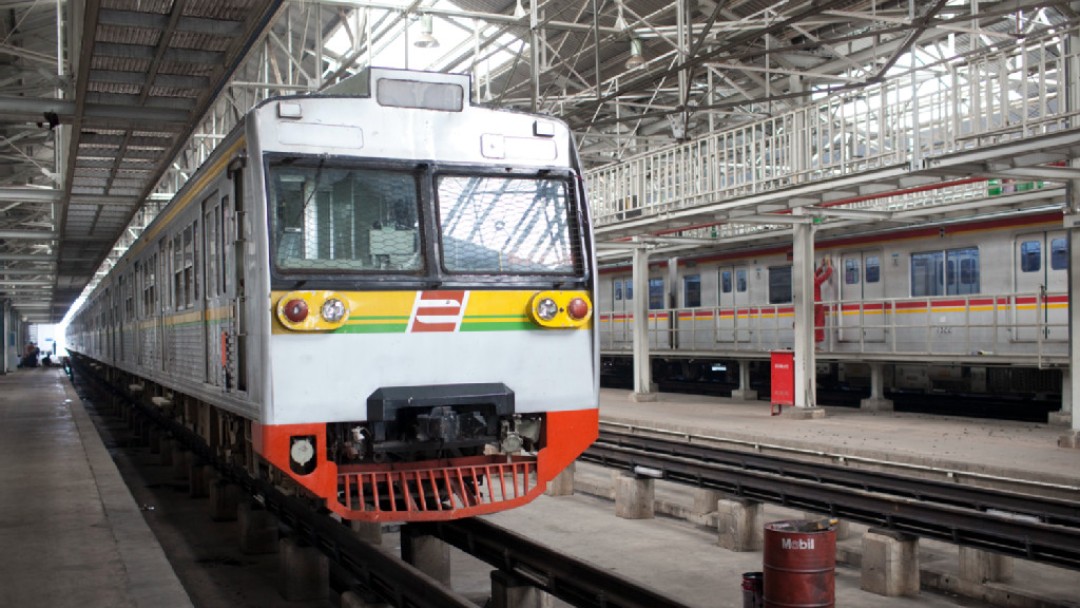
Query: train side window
[[1030, 256], [740, 280], [965, 264], [692, 291], [780, 285], [618, 290], [629, 289], [178, 272], [1059, 254], [873, 269], [926, 273], [725, 281], [656, 293], [851, 271]]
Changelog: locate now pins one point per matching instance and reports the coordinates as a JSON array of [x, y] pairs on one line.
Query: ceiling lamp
[[426, 40], [519, 10], [636, 60]]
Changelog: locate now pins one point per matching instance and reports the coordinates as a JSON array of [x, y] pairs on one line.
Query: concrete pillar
[[198, 478], [509, 591], [352, 599], [890, 563], [181, 462], [1063, 417], [303, 572], [739, 525], [802, 287], [705, 501], [224, 500], [368, 531], [428, 554], [744, 392], [1072, 222], [635, 497], [563, 484], [258, 529], [877, 402], [644, 390], [978, 566], [167, 446]]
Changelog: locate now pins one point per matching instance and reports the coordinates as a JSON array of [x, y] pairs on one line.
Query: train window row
[[1031, 255], [943, 272]]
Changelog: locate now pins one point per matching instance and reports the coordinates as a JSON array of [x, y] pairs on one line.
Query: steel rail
[[1045, 509], [1036, 541], [572, 580], [392, 579]]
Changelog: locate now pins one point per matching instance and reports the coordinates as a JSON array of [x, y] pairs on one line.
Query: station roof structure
[[108, 106]]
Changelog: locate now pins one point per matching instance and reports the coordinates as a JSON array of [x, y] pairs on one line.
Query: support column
[[509, 591], [258, 529], [890, 563], [802, 284], [877, 401], [1072, 222], [744, 392], [738, 523], [427, 554], [224, 500], [978, 566], [303, 571], [1064, 416], [368, 531], [635, 497], [643, 386], [563, 484]]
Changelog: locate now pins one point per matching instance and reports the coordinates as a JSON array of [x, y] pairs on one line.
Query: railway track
[[1031, 527], [396, 582]]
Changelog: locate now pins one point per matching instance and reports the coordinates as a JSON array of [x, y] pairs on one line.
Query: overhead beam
[[19, 109]]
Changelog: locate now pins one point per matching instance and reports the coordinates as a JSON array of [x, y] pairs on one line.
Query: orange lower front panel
[[433, 490]]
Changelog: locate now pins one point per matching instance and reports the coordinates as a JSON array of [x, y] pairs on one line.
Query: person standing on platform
[[821, 274]]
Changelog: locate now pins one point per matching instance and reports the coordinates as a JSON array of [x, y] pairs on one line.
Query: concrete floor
[[71, 533], [76, 537]]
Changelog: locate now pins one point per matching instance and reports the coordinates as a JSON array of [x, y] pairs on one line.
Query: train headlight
[[560, 309], [333, 310], [295, 310], [546, 309]]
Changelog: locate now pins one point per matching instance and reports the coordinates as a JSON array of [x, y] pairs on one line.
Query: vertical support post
[[1063, 417], [877, 401], [802, 281], [744, 391], [1072, 223], [642, 364]]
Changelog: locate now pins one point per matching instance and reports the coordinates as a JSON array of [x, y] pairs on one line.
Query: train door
[[622, 299], [1040, 307], [211, 343], [861, 291], [235, 338], [733, 299]]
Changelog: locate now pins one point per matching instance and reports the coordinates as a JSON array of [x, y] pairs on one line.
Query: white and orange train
[[965, 306], [383, 294]]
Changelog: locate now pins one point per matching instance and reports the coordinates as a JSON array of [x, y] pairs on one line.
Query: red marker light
[[578, 309], [296, 310]]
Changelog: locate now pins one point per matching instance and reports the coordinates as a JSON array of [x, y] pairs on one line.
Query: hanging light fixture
[[636, 59], [519, 10], [426, 40]]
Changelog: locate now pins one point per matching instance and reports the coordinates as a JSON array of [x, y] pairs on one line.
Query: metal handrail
[[987, 325]]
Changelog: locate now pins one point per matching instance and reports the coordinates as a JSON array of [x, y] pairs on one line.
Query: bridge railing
[[968, 102]]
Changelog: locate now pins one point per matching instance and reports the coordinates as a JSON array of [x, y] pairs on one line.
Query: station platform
[[71, 531], [988, 449]]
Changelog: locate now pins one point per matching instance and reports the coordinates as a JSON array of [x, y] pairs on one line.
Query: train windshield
[[506, 224], [343, 219]]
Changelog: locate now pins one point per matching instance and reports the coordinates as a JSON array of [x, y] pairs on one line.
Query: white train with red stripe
[[380, 296], [975, 306]]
